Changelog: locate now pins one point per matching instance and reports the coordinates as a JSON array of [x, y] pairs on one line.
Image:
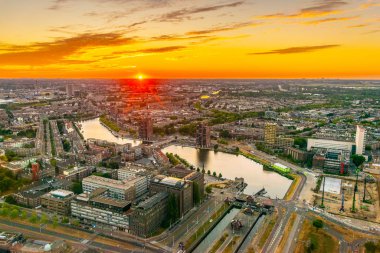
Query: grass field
[[319, 240]]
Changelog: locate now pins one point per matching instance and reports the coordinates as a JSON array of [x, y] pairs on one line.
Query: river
[[94, 129], [232, 166]]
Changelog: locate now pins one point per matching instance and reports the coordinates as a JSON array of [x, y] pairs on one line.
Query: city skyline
[[190, 39]]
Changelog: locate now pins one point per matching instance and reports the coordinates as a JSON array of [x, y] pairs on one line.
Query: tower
[[270, 133], [360, 139], [146, 129], [203, 136], [69, 90]]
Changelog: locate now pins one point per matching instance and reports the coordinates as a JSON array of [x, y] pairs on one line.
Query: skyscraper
[[69, 90], [203, 136], [360, 139], [270, 133], [146, 129]]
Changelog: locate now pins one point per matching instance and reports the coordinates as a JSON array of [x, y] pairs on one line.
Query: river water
[[94, 129], [232, 166]]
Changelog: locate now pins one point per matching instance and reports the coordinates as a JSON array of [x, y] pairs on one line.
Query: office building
[[148, 215], [57, 201], [319, 144], [270, 134], [77, 174], [203, 139], [121, 190], [146, 129], [195, 177], [360, 140], [182, 189], [98, 210], [69, 90]]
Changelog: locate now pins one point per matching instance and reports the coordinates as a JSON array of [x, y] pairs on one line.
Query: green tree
[[203, 171], [44, 219], [33, 218], [14, 214], [208, 189], [216, 147], [24, 215], [214, 174], [10, 200], [370, 247], [208, 172], [300, 142], [77, 187], [358, 160], [55, 221], [220, 175], [318, 223]]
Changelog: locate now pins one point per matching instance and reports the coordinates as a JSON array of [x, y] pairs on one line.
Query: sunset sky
[[190, 38]]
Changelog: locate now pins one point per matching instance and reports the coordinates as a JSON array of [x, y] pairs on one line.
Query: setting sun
[[140, 77]]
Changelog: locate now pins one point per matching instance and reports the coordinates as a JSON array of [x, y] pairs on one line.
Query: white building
[[360, 139], [123, 190], [329, 144]]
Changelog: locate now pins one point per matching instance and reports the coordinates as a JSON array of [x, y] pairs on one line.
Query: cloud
[[45, 53], [57, 4], [182, 14], [223, 28], [296, 50], [326, 20], [322, 8], [153, 50], [358, 26], [370, 3]]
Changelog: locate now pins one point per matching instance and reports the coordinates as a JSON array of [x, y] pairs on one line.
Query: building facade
[[57, 201], [203, 137], [147, 216], [360, 140]]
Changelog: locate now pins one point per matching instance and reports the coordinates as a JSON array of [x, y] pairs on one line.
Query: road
[[94, 243]]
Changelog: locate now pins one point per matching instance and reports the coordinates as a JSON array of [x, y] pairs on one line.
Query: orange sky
[[190, 38]]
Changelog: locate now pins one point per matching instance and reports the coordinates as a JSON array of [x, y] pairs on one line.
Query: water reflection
[[94, 129], [232, 166]]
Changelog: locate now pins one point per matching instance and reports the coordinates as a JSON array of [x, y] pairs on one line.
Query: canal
[[94, 129], [216, 232], [231, 166]]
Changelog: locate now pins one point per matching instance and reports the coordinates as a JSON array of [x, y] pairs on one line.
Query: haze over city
[[190, 39]]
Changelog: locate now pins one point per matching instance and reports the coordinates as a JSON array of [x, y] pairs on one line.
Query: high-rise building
[[203, 136], [146, 129], [69, 90], [270, 133], [360, 139]]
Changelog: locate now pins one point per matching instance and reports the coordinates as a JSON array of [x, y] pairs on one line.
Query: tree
[[358, 160], [300, 142], [370, 247], [10, 200], [225, 134], [208, 189], [198, 169], [14, 214], [24, 215], [44, 219], [214, 174], [220, 175], [55, 221], [208, 172], [318, 223], [216, 147], [77, 187], [203, 171], [33, 218]]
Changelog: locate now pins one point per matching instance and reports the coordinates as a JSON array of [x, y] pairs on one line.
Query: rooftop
[[152, 201]]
